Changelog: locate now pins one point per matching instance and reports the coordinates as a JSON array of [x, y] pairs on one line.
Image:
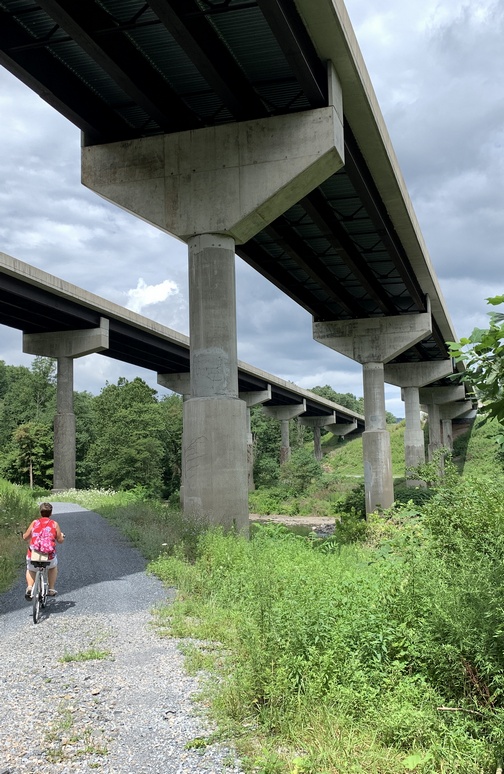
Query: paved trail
[[131, 712]]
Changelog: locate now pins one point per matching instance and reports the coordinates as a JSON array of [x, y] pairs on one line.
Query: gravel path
[[131, 712]]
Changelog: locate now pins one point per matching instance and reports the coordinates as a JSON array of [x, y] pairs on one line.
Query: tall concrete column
[[65, 346], [253, 398], [378, 476], [285, 413], [316, 423], [435, 439], [216, 187], [448, 412], [414, 446], [64, 427], [285, 449], [410, 377], [215, 451], [373, 342], [447, 434]]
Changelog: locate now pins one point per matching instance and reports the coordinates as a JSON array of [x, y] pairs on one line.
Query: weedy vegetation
[[378, 649]]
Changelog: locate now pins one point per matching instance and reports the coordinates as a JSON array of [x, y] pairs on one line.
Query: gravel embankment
[[131, 712]]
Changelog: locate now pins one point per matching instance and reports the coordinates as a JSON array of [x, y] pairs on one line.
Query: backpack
[[43, 538]]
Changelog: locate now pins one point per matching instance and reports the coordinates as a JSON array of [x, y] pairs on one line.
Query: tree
[[483, 356], [127, 451], [84, 436], [345, 399], [27, 397], [267, 439], [170, 409], [34, 455]]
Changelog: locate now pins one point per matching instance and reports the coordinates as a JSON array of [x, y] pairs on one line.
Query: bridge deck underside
[[121, 69]]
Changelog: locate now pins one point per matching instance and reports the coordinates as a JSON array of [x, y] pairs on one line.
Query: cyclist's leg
[[30, 580]]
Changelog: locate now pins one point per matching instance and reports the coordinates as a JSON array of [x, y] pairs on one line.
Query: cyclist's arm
[[27, 534], [59, 534]]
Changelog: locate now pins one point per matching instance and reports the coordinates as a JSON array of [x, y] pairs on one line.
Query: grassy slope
[[474, 452], [345, 458]]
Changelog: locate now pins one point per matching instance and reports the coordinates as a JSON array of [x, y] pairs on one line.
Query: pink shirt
[[43, 537]]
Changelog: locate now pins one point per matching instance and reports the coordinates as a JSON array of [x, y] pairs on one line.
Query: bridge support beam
[[373, 342], [285, 414], [215, 187], [448, 413], [316, 423], [342, 428], [65, 346], [410, 377], [252, 399], [433, 398]]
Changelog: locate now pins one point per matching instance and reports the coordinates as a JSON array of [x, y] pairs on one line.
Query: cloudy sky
[[438, 70]]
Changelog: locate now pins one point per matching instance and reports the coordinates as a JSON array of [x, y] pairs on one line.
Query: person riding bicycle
[[46, 529]]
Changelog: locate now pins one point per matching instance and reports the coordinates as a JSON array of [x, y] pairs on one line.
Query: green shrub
[[355, 501], [300, 471], [417, 495]]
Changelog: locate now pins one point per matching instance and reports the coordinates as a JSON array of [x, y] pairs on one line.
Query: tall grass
[[385, 657], [17, 509], [151, 525]]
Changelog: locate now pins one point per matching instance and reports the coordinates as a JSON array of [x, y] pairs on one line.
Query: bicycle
[[40, 586]]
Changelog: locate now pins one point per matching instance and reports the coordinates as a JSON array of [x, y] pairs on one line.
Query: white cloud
[[147, 295]]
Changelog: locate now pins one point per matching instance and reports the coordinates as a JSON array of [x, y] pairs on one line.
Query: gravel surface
[[133, 711]]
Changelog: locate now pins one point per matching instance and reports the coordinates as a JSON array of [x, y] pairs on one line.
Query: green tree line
[[126, 437]]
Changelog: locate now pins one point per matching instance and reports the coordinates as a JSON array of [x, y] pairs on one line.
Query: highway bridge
[[50, 311], [250, 127]]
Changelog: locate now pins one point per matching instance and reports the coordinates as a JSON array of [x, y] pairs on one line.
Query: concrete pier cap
[[75, 343], [178, 382], [342, 428], [255, 170]]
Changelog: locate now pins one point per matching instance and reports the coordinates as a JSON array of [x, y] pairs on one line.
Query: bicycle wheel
[[36, 597], [44, 586]]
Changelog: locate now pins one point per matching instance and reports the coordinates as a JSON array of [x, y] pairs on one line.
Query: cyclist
[[46, 525]]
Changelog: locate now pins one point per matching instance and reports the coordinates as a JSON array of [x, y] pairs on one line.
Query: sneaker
[[28, 593], [52, 593]]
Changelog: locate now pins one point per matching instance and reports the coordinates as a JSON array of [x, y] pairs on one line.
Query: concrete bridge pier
[[252, 399], [373, 342], [448, 413], [213, 188], [214, 453], [433, 398], [65, 346], [285, 414], [316, 423], [410, 377]]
